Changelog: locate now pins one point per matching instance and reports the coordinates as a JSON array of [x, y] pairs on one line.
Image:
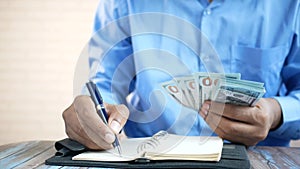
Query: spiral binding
[[151, 143]]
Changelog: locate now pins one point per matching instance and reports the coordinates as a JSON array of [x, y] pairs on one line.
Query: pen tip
[[119, 151]]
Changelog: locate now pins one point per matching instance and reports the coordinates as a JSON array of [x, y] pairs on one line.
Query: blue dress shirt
[[139, 44]]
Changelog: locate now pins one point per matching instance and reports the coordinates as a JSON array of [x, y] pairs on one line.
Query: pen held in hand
[[98, 101]]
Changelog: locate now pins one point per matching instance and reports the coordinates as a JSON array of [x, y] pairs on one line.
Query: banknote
[[185, 85], [175, 92], [207, 83], [238, 94], [192, 90]]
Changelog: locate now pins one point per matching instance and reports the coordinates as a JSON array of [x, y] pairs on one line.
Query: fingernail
[[205, 113], [109, 137], [115, 126], [205, 108]]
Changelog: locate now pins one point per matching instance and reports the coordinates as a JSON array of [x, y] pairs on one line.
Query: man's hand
[[246, 125], [85, 126]]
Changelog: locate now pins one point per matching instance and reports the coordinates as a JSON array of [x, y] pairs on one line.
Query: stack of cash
[[192, 91]]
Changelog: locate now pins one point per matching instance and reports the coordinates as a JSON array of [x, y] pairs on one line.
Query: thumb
[[118, 115], [115, 126]]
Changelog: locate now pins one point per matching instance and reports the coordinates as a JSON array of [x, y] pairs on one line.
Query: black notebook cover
[[233, 156]]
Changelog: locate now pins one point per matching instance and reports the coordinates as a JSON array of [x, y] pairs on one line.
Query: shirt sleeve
[[290, 103], [111, 68]]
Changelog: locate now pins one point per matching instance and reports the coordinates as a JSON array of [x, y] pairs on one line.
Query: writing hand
[[241, 124], [83, 124]]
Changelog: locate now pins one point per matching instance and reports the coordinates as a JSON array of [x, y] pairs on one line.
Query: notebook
[[161, 146]]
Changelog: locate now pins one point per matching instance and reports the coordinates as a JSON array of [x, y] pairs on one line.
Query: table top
[[33, 154]]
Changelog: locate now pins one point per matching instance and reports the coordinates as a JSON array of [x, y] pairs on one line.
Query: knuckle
[[123, 111], [251, 143], [79, 98], [83, 104], [226, 133], [66, 113], [261, 135], [68, 132], [108, 107], [80, 131], [222, 135], [264, 117], [91, 146], [232, 129], [261, 117]]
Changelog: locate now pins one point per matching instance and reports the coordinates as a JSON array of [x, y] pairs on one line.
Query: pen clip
[[96, 97], [97, 93]]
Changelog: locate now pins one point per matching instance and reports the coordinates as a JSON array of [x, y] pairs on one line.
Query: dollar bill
[[172, 88], [208, 83], [245, 82], [186, 90], [238, 94], [191, 87], [192, 90]]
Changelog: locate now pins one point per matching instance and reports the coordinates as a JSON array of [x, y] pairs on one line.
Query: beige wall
[[40, 41]]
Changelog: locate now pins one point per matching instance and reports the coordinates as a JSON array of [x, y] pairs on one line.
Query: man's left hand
[[241, 124]]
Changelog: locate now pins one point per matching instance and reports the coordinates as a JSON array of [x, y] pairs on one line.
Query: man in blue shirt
[[139, 44]]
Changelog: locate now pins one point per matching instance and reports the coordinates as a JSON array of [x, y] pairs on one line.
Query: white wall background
[[40, 41]]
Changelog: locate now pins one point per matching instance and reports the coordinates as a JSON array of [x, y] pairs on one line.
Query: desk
[[33, 154]]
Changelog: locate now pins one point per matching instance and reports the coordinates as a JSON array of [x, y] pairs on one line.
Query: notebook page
[[129, 152], [187, 147], [161, 146]]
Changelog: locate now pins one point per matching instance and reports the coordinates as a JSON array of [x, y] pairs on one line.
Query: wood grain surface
[[33, 154]]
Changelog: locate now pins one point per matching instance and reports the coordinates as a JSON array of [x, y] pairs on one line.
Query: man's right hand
[[85, 126]]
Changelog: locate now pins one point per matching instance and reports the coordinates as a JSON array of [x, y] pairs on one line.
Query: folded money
[[191, 91]]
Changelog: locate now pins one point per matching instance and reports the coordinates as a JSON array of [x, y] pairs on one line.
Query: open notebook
[[161, 146]]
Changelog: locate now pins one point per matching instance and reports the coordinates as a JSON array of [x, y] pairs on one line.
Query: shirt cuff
[[289, 129], [289, 107]]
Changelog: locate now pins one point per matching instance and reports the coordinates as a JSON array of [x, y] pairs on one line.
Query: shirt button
[[207, 12]]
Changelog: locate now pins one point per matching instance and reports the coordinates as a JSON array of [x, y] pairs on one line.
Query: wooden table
[[34, 153]]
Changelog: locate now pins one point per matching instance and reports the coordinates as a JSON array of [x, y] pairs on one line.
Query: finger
[[75, 131], [118, 116], [71, 120], [71, 123], [234, 130], [229, 127], [234, 112], [235, 138], [90, 121], [85, 140], [204, 109]]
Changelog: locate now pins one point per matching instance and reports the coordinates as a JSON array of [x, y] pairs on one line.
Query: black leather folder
[[233, 156]]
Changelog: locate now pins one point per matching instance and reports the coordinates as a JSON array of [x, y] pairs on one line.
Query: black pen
[[97, 99]]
